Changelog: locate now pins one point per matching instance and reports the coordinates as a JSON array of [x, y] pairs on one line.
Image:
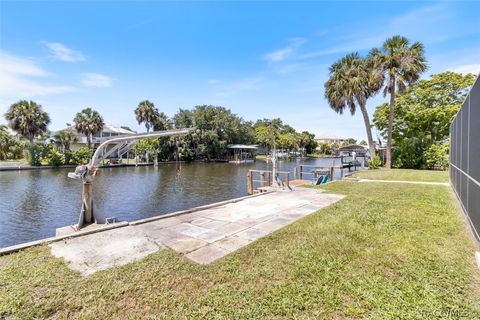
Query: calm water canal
[[33, 203]]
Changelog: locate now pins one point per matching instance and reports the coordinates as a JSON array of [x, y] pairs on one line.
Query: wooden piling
[[249, 182]]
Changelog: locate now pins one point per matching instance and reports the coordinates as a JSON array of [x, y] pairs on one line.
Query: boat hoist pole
[[87, 172]]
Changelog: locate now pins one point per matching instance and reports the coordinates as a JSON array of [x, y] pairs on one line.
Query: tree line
[[215, 128]]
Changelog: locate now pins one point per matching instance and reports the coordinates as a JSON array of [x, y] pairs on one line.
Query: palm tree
[[88, 122], [147, 113], [161, 122], [64, 139], [352, 81], [28, 119], [400, 64]]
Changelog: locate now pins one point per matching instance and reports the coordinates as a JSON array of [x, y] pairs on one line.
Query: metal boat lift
[[86, 173]]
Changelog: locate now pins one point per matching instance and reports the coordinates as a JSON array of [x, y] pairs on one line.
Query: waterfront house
[[109, 131], [330, 139]]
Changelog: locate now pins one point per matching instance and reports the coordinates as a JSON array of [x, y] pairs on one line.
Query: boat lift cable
[[178, 184]]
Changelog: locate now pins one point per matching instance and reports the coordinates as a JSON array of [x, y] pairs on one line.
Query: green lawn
[[386, 251], [404, 175]]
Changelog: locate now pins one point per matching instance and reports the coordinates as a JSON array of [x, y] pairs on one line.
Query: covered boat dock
[[241, 153]]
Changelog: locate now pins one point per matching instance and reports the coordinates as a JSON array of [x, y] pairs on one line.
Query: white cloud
[[285, 53], [20, 66], [362, 44], [97, 80], [21, 78], [63, 53], [466, 68]]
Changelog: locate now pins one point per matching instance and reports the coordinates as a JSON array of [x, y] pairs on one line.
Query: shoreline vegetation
[[421, 142], [384, 251], [215, 128]]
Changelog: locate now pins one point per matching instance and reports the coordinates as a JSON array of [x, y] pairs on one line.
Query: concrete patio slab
[[211, 236], [268, 226], [207, 254], [185, 244], [231, 228], [252, 234], [188, 229], [232, 243], [202, 236]]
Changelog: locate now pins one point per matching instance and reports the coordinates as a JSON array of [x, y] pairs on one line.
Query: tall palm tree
[[352, 81], [401, 65], [147, 113], [88, 122], [28, 119], [65, 138]]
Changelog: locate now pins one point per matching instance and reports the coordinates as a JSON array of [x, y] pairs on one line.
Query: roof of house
[[329, 137], [109, 128], [106, 128], [353, 147]]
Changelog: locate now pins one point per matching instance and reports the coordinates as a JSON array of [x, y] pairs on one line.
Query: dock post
[[287, 179], [301, 172], [331, 173], [269, 178], [262, 179], [249, 182], [295, 172]]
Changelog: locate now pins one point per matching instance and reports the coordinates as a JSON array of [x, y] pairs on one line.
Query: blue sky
[[260, 59]]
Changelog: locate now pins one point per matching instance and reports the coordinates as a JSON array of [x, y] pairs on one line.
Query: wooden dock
[[259, 180]]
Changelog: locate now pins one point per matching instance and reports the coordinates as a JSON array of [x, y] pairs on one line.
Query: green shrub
[[54, 158], [375, 163], [436, 157], [68, 156], [80, 156], [18, 150], [37, 152], [408, 153], [10, 146]]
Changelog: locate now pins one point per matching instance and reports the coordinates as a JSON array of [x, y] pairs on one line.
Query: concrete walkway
[[202, 236]]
